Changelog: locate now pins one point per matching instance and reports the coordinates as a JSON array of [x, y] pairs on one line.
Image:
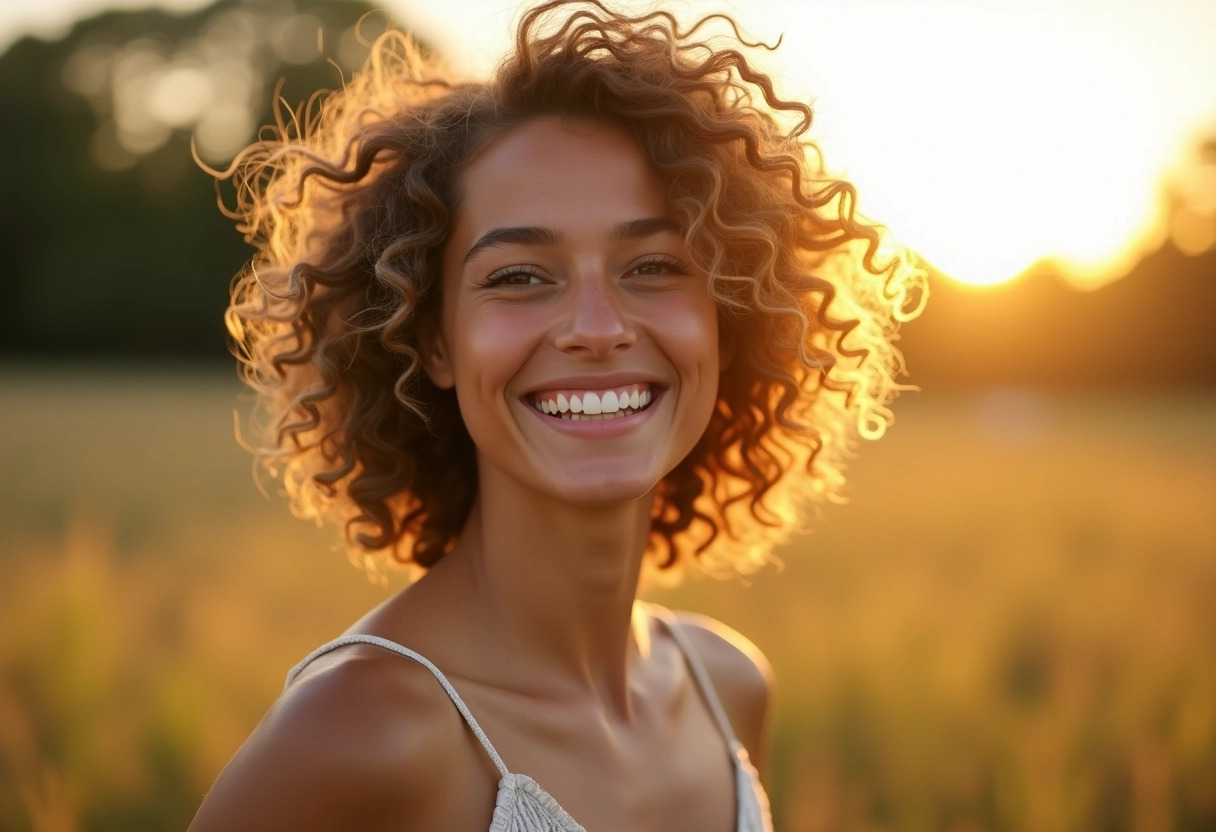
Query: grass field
[[1010, 626]]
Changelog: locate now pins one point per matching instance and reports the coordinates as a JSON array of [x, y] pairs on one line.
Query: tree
[[112, 239]]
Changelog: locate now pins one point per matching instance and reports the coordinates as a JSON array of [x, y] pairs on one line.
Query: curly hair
[[349, 204]]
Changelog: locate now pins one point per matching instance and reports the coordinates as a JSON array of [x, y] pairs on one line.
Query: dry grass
[[1010, 626]]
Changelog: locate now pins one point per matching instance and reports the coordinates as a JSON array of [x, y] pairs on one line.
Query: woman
[[535, 338]]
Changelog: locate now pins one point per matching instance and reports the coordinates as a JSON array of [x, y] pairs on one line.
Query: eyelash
[[502, 276], [673, 265]]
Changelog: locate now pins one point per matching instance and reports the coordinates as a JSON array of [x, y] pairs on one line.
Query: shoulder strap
[[360, 638], [693, 660]]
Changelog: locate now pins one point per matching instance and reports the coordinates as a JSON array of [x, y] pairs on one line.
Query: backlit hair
[[350, 203]]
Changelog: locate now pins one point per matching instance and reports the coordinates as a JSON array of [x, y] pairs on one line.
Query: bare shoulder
[[359, 741], [741, 675]]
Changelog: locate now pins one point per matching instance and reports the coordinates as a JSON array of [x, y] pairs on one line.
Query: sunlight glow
[[989, 135], [999, 136]]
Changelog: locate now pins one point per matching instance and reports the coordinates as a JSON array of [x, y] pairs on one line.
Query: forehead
[[564, 173]]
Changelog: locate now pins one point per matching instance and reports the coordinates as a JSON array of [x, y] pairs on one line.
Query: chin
[[603, 490]]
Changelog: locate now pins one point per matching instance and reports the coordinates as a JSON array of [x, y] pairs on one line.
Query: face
[[582, 347]]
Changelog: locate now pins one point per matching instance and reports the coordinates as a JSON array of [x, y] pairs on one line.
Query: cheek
[[489, 348], [690, 332], [686, 331]]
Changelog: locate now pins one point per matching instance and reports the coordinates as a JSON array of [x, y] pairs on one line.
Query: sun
[[991, 137]]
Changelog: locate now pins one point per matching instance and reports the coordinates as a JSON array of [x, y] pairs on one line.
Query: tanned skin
[[532, 616]]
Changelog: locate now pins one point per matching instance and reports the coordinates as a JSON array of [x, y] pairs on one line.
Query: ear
[[436, 361]]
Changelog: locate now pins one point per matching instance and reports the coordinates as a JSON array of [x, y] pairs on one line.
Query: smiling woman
[[532, 338], [564, 280]]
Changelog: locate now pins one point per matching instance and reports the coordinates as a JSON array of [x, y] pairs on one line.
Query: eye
[[659, 265], [514, 276]]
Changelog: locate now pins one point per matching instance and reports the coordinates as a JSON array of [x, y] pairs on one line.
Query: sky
[[987, 134]]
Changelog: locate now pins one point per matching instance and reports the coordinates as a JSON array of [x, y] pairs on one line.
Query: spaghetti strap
[[752, 813], [360, 638], [693, 660]]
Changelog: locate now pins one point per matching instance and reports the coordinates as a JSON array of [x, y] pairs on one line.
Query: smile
[[593, 405]]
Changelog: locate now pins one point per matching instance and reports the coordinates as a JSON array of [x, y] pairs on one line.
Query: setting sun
[[990, 137]]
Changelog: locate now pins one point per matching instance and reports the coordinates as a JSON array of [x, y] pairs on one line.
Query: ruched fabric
[[523, 806]]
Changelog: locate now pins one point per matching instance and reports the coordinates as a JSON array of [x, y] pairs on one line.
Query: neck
[[550, 588]]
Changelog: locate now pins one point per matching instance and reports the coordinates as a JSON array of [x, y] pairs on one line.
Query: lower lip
[[597, 429]]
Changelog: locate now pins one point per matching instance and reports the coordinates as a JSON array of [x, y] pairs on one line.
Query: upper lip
[[593, 382]]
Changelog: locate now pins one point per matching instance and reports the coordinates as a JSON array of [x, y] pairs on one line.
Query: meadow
[[1010, 625]]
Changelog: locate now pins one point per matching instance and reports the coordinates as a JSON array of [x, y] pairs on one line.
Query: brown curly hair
[[351, 201]]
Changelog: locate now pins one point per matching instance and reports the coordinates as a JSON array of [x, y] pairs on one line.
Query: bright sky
[[986, 133]]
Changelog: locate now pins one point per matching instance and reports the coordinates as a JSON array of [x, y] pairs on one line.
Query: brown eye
[[659, 266], [514, 276]]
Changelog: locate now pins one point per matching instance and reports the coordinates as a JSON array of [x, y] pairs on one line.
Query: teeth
[[610, 404]]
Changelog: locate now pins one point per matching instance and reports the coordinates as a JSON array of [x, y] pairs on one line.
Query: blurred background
[[1009, 625]]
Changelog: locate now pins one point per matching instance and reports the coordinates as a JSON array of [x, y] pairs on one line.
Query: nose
[[593, 321]]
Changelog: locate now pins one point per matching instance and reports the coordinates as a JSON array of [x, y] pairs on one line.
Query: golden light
[[989, 135], [992, 136]]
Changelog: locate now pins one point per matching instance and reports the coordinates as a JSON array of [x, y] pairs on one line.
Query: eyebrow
[[637, 229], [536, 235]]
